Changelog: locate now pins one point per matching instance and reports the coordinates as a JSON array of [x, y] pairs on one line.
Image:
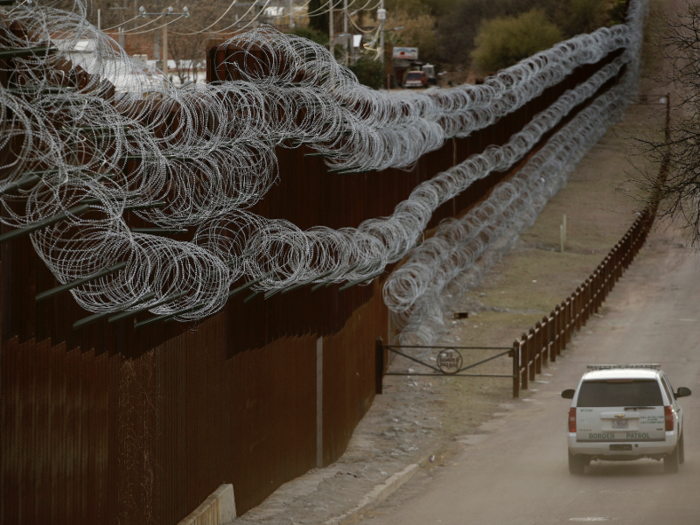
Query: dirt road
[[514, 471]]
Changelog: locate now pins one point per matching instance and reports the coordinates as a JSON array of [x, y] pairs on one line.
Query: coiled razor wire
[[454, 260], [96, 134]]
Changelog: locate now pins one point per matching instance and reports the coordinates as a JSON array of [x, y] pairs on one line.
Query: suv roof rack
[[652, 366]]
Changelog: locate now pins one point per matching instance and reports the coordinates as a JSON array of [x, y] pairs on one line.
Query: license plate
[[620, 447], [620, 423]]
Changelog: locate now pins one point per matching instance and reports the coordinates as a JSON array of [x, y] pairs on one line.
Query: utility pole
[[381, 16], [254, 24], [291, 14], [168, 12], [330, 27], [345, 16], [348, 38]]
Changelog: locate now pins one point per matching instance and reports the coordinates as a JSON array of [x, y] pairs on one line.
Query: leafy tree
[[417, 31], [413, 8], [457, 29], [459, 26], [318, 17], [617, 10], [582, 16], [311, 34], [369, 72], [502, 42]]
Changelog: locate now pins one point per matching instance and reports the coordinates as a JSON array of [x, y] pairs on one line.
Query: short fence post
[[538, 348], [379, 365], [604, 282], [549, 323], [557, 331], [627, 247], [577, 310], [587, 300], [612, 270], [531, 356], [524, 359], [568, 321], [516, 368]]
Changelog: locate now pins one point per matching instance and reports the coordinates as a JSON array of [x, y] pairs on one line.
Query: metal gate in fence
[[448, 361]]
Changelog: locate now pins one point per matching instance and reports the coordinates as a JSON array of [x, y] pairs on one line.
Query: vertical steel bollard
[[538, 348], [618, 263], [531, 355], [516, 368], [577, 308], [556, 314], [568, 321], [547, 339], [379, 365], [587, 300], [598, 289], [525, 381]]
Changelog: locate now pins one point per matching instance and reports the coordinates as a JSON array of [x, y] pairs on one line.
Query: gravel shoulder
[[427, 420]]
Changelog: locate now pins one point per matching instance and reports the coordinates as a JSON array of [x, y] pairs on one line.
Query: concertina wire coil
[[70, 149]]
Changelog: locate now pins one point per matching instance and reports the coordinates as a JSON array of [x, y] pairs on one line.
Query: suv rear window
[[413, 76], [618, 393]]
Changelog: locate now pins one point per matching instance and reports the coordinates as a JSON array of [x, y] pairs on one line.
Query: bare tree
[[188, 50], [676, 189]]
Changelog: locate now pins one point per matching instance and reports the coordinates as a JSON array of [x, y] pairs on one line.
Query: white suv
[[625, 412]]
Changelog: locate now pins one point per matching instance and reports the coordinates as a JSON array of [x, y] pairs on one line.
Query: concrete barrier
[[218, 509]]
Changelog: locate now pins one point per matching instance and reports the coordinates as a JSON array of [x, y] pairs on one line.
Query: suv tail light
[[572, 419], [668, 413]]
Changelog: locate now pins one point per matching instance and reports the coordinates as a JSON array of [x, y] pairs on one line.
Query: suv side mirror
[[569, 393], [683, 392]]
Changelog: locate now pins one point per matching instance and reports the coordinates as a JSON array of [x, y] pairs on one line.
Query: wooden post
[[553, 336], [524, 357], [586, 301], [568, 322], [516, 368], [547, 340], [531, 357], [597, 290], [538, 348], [577, 308]]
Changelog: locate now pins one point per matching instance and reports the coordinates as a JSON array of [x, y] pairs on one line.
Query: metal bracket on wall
[[77, 282]]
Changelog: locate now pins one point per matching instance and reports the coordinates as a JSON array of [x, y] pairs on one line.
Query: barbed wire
[[200, 157]]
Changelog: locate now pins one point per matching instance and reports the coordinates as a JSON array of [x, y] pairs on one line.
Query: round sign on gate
[[449, 361]]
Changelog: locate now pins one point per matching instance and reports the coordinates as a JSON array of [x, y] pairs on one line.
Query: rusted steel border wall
[[110, 425], [99, 439]]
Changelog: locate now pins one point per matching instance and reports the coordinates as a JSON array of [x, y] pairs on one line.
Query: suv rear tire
[[672, 460], [577, 464]]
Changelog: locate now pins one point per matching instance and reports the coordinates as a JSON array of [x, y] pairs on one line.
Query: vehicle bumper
[[602, 449]]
